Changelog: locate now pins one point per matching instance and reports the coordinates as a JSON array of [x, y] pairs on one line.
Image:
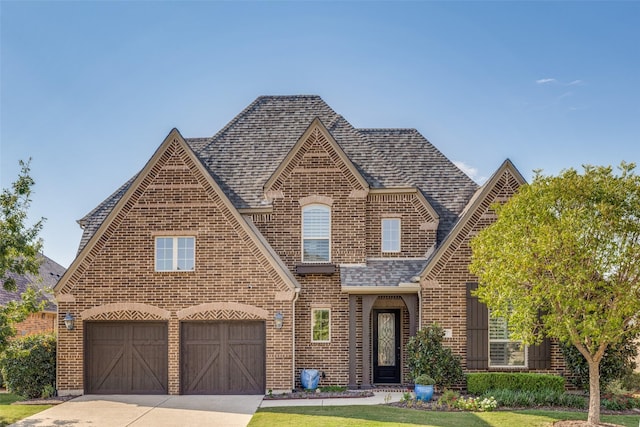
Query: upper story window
[[175, 253], [503, 351], [316, 233], [391, 235]]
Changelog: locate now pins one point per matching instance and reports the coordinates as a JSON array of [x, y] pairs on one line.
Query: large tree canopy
[[563, 260], [19, 248]]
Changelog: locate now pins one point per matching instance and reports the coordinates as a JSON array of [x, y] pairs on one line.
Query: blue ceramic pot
[[423, 392]]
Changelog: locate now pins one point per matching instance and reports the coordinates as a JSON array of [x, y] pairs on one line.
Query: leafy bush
[[29, 365], [479, 383], [531, 399], [449, 399], [618, 362], [620, 402], [427, 355], [632, 382]]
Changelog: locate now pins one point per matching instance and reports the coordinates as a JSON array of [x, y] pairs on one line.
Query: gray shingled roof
[[244, 154], [50, 272], [381, 272]]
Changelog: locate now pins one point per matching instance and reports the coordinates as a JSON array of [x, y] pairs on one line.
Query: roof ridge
[[387, 129]]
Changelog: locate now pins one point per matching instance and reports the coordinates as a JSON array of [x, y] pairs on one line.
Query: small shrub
[[333, 388], [29, 365], [480, 383], [632, 382], [531, 399], [424, 380], [618, 362], [406, 397], [449, 399], [48, 391], [427, 355], [481, 404]]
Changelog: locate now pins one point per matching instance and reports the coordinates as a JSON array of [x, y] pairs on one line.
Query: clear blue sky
[[90, 89]]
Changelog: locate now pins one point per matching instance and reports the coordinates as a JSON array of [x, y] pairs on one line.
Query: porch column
[[352, 341], [367, 305], [411, 301]]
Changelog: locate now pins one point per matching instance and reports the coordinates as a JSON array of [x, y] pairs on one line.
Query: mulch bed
[[48, 401], [319, 395]]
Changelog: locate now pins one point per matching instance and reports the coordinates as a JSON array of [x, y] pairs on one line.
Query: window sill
[[303, 269]]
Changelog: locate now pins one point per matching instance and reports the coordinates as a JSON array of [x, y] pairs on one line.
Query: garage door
[[223, 357], [126, 357]]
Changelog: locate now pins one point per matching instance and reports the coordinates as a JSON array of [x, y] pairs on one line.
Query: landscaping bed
[[319, 394]]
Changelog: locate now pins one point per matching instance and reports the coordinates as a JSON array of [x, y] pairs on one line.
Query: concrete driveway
[[145, 410]]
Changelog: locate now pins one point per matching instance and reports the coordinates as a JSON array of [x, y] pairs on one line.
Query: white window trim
[[525, 349], [399, 235], [174, 266], [313, 310], [302, 239]]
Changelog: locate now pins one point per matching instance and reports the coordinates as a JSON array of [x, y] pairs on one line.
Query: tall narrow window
[[503, 351], [316, 233], [391, 235], [320, 325], [175, 253]]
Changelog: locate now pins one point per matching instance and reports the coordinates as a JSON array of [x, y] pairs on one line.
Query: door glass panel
[[386, 339]]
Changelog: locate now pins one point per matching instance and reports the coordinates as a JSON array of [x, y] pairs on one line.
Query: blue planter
[[423, 392], [309, 379]]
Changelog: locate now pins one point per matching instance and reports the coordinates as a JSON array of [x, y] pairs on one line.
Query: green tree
[[19, 248], [562, 260]]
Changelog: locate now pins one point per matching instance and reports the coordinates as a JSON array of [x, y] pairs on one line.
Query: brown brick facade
[[246, 267]]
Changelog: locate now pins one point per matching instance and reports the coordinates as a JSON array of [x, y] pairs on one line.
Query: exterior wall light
[[68, 321], [278, 320]]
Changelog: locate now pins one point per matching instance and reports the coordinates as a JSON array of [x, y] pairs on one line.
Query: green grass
[[9, 413], [385, 416]]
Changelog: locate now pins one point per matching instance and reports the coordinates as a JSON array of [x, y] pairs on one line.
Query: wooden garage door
[[223, 357], [126, 357]]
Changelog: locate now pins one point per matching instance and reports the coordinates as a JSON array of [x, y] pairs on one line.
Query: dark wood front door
[[386, 346], [126, 357], [223, 357]]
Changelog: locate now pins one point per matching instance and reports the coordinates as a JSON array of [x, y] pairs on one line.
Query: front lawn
[[385, 416], [9, 413]]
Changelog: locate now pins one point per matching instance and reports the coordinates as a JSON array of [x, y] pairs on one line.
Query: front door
[[386, 346]]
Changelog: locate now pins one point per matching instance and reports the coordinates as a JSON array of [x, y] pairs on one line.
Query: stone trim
[[316, 199], [222, 311], [125, 311]]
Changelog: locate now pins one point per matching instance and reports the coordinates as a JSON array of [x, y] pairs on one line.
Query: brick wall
[[444, 288], [118, 272], [36, 323]]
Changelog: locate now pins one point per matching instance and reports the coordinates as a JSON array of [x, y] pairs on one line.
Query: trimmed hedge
[[29, 365], [479, 383]]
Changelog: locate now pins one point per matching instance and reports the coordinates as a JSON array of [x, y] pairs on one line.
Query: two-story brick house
[[288, 240]]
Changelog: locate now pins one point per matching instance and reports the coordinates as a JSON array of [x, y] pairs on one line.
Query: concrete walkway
[[170, 411], [148, 410]]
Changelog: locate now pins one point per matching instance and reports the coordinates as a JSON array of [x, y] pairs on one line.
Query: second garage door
[[223, 357]]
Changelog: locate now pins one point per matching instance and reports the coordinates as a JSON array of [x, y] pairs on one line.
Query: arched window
[[316, 233]]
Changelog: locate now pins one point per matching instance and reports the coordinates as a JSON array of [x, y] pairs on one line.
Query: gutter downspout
[[293, 339]]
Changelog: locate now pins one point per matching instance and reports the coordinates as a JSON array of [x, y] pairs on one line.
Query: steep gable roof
[[246, 153], [316, 133], [506, 177], [172, 143]]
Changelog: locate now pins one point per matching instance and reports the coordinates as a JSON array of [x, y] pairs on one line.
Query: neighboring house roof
[[50, 272], [245, 154], [382, 273]]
